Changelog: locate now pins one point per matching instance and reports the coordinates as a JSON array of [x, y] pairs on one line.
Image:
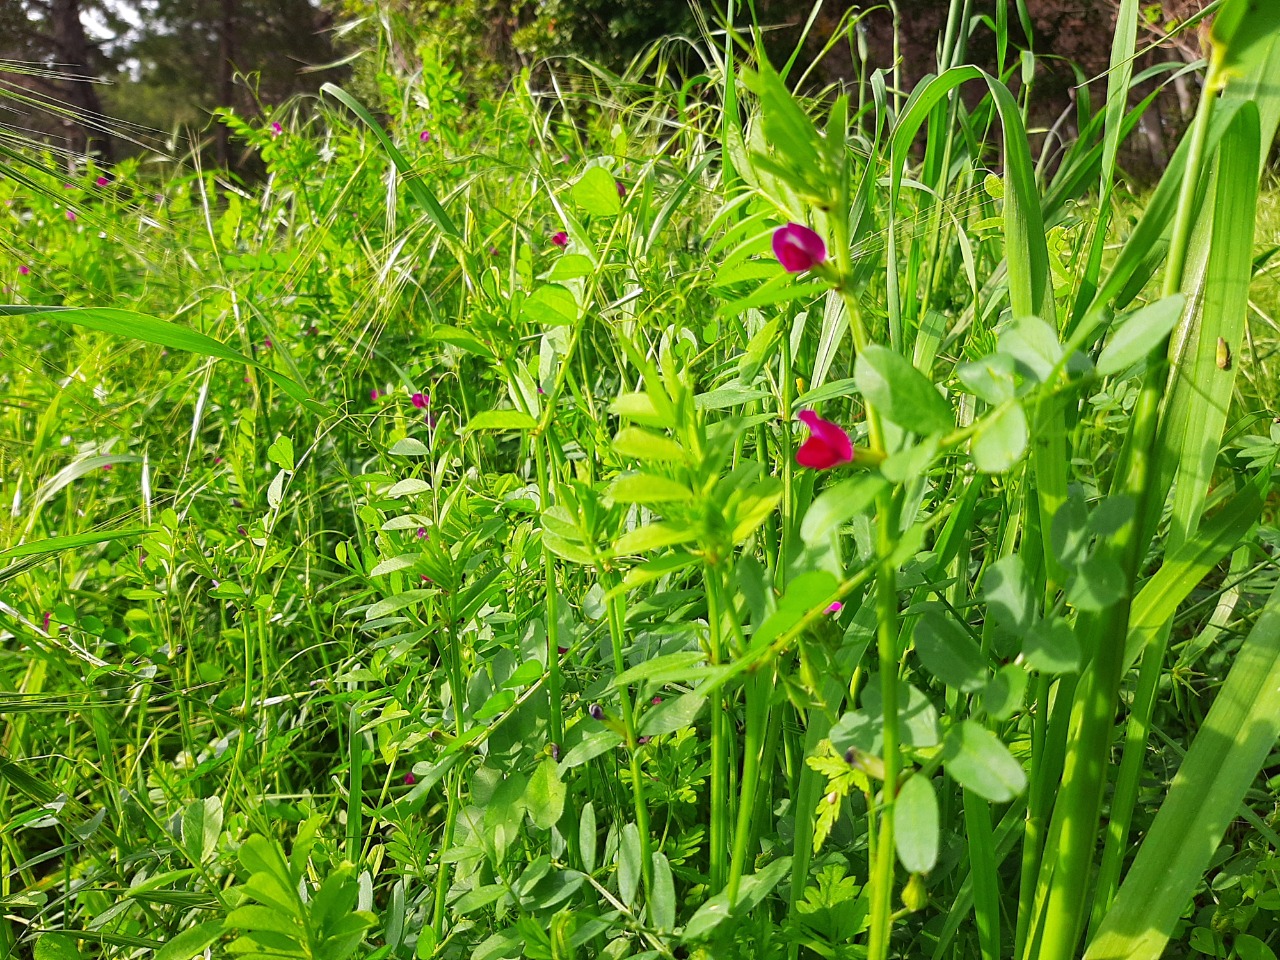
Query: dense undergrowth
[[441, 575]]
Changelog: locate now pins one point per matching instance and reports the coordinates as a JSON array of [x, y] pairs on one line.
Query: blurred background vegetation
[[161, 68]]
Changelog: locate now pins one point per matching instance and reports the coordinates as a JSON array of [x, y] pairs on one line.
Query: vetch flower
[[267, 344], [798, 248], [410, 779], [828, 445], [24, 270], [622, 189], [596, 711], [422, 533], [71, 215], [424, 136], [420, 400], [276, 129], [835, 607], [560, 239], [102, 181], [374, 394]]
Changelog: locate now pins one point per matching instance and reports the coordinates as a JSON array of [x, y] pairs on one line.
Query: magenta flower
[[24, 270], [798, 248], [493, 251], [410, 779], [562, 650], [420, 400], [267, 344], [560, 239], [424, 136], [108, 466], [47, 618], [101, 181], [835, 607], [374, 394], [828, 445], [276, 129], [71, 215], [622, 189]]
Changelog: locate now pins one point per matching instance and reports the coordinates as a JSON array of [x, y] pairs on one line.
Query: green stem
[[551, 602], [719, 831], [1078, 809], [617, 636], [887, 647]]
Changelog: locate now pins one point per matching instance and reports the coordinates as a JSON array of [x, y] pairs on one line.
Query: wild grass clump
[[504, 532]]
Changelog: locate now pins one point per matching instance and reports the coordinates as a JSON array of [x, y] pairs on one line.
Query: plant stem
[[617, 636]]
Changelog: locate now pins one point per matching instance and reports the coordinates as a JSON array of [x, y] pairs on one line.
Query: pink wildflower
[[560, 239], [24, 270], [420, 400], [828, 445], [798, 248]]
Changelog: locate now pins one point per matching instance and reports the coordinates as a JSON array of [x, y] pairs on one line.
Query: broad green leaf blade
[[1231, 746], [596, 192], [412, 180], [915, 824], [901, 393], [978, 761]]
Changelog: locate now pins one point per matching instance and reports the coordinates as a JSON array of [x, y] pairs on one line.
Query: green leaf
[[671, 715], [671, 666], [1241, 34], [570, 266], [1052, 647], [647, 446], [753, 888], [990, 379], [1000, 440], [648, 488], [1033, 344], [191, 942], [545, 795], [839, 504], [1097, 584], [138, 326], [901, 393], [863, 729], [1003, 695], [56, 946], [501, 420], [629, 864], [281, 453], [201, 826], [409, 447], [806, 593], [410, 177], [915, 824], [1230, 747], [652, 536], [1141, 332], [977, 760], [408, 487], [949, 653], [397, 602], [596, 192], [551, 306], [587, 839], [662, 906]]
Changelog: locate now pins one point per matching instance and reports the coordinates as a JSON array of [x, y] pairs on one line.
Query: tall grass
[[411, 556]]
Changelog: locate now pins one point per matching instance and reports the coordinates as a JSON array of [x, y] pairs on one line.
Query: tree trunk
[[85, 132], [226, 76]]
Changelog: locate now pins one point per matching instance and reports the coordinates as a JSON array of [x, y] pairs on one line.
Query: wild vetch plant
[[637, 523]]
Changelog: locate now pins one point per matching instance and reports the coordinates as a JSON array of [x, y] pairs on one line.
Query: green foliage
[[385, 578]]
